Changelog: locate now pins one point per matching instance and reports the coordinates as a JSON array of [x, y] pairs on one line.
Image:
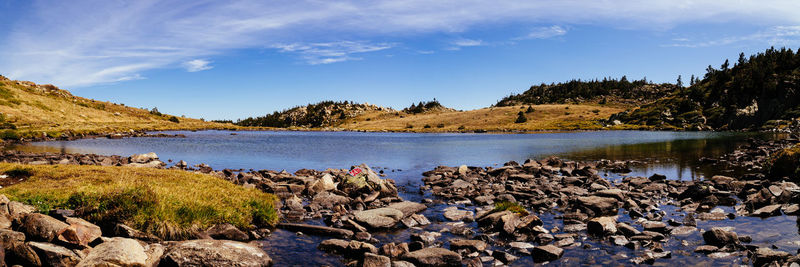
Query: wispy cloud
[[545, 32], [197, 65], [332, 52], [776, 36], [121, 40]]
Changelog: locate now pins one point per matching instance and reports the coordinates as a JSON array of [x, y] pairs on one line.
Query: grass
[[510, 206], [34, 109], [496, 119], [171, 204], [786, 163]]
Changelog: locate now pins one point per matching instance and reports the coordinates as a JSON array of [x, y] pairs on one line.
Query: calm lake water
[[404, 156]]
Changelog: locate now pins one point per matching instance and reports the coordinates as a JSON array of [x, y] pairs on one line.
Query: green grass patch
[[510, 206], [171, 204]]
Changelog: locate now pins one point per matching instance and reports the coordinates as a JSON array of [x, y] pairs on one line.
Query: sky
[[240, 58]]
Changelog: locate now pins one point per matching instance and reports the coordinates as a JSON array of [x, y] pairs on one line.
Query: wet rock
[[379, 218], [116, 251], [655, 226], [792, 209], [612, 193], [767, 211], [627, 229], [598, 205], [471, 245], [374, 260], [227, 231], [455, 214], [619, 240], [504, 257], [53, 255], [427, 238], [706, 249], [41, 227], [720, 236], [430, 257], [504, 221], [602, 226], [408, 208], [575, 227], [683, 230], [393, 250], [205, 252], [547, 253], [352, 248], [420, 219], [765, 256]]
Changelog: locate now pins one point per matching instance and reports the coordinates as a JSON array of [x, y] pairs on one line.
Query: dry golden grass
[[552, 117], [35, 110], [168, 203]]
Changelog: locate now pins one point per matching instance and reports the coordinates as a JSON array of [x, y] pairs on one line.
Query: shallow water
[[404, 156]]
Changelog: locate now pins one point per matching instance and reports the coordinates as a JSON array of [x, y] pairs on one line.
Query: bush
[[521, 118], [440, 125], [595, 111], [461, 128], [9, 135], [409, 126], [785, 163], [426, 126], [529, 110], [510, 206], [174, 119], [17, 173]]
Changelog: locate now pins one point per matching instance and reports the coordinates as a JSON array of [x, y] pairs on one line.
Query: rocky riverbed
[[539, 211]]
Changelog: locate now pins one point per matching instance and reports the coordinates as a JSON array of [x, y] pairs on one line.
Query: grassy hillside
[[32, 109], [542, 117], [171, 204], [595, 91]]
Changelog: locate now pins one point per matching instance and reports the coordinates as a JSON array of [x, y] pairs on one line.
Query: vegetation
[[578, 91], [510, 206], [520, 118], [322, 114], [786, 164], [171, 204], [424, 107], [747, 95]]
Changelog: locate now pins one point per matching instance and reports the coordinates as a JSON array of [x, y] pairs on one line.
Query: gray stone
[[205, 252], [433, 257], [117, 251]]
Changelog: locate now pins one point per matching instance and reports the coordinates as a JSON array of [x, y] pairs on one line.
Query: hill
[[596, 91], [426, 107], [28, 109], [322, 114], [762, 91]]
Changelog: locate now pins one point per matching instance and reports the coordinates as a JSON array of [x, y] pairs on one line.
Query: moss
[[510, 206], [786, 163], [171, 204]]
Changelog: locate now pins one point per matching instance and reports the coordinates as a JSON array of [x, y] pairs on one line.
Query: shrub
[[19, 172], [461, 128], [409, 126], [9, 135], [510, 206], [520, 118], [595, 111], [174, 119], [440, 125], [785, 163], [529, 110], [426, 126]]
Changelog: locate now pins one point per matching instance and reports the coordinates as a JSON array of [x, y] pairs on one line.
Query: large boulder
[[80, 232], [433, 257], [117, 251], [375, 260], [602, 226], [53, 255], [205, 252], [407, 207], [41, 227], [379, 218], [16, 250], [143, 158], [227, 231], [720, 236], [327, 200]]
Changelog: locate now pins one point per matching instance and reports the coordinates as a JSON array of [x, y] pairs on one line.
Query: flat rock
[[53, 255], [117, 251], [40, 227], [408, 208], [602, 226], [379, 218], [228, 232], [433, 257], [764, 256], [458, 215], [204, 252], [547, 253], [767, 211], [80, 232], [599, 205], [350, 248], [471, 245]]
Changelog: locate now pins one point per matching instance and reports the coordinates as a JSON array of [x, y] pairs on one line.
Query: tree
[[529, 110], [691, 80], [742, 60], [725, 65], [680, 82], [521, 118]]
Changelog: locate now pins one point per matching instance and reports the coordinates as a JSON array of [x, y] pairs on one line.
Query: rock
[[153, 164], [765, 256], [227, 231], [598, 205], [471, 245], [408, 208], [53, 255], [122, 230], [379, 218], [325, 183], [602, 226], [116, 251], [206, 252], [462, 170], [612, 193], [427, 238], [706, 249], [458, 215], [16, 251], [316, 230], [18, 210], [421, 219], [627, 229], [720, 236], [352, 248], [402, 264], [374, 260], [683, 230], [767, 211], [41, 227], [433, 257], [655, 226], [504, 257], [143, 158], [328, 200], [393, 250], [80, 232], [547, 253]]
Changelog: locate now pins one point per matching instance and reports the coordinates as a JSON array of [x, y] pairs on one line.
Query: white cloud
[[331, 52], [58, 42], [197, 65], [468, 42], [545, 32], [775, 36]]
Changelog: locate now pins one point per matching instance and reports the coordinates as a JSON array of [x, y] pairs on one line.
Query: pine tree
[[521, 118], [680, 82]]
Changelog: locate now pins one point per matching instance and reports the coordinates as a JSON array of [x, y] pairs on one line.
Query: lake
[[404, 156]]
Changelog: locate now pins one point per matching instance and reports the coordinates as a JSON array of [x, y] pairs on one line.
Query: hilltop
[[759, 92], [595, 91], [30, 110], [322, 114]]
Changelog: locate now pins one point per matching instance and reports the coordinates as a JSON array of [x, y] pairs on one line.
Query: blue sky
[[240, 58]]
